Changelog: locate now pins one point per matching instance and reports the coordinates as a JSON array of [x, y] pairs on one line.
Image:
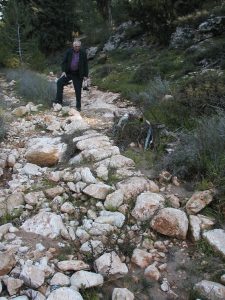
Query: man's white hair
[[76, 42]]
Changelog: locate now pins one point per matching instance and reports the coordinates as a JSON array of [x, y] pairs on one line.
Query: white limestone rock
[[146, 205], [73, 124], [141, 258], [152, 272], [33, 198], [171, 222], [93, 247], [53, 192], [216, 238], [93, 143], [7, 262], [102, 172], [32, 276], [134, 186], [32, 170], [98, 154], [72, 265], [198, 201], [45, 151], [34, 295], [113, 218], [65, 293], [14, 200], [210, 290], [46, 224], [67, 207], [87, 176], [4, 229], [100, 229], [109, 264], [13, 285], [173, 201], [122, 294], [119, 161], [84, 279], [195, 227], [98, 190], [114, 200], [60, 279]]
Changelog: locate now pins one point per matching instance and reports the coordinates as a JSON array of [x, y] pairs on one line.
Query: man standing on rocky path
[[75, 68]]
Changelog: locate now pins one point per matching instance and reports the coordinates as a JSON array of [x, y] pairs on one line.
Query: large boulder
[[32, 276], [45, 151], [171, 222], [133, 186], [216, 238], [210, 290], [146, 205]]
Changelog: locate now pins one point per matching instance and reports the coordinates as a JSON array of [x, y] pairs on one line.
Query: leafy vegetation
[[33, 86], [201, 151]]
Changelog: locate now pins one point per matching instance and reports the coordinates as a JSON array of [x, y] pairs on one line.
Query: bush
[[202, 94], [144, 73], [104, 71], [33, 86], [201, 151]]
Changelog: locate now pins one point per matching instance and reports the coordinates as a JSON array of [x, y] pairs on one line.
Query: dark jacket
[[83, 63]]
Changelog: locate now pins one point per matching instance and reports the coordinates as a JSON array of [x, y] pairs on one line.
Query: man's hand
[[63, 74]]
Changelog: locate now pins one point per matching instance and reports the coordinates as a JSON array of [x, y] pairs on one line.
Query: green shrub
[[33, 86], [144, 73], [104, 71], [201, 151], [202, 94]]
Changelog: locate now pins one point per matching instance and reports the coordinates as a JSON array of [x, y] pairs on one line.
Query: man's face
[[76, 47]]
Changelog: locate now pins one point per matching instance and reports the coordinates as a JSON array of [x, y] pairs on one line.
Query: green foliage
[[104, 71], [33, 86], [202, 94], [205, 248], [54, 23], [144, 73], [201, 151], [90, 294], [159, 16]]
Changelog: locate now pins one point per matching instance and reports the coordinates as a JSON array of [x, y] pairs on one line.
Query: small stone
[[122, 294], [72, 265], [60, 279], [152, 272]]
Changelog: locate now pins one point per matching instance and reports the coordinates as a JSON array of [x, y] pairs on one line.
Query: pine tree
[[55, 21]]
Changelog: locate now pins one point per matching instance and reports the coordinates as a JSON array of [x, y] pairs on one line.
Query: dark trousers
[[77, 84]]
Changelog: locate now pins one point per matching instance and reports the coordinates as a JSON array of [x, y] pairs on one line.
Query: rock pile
[[72, 228]]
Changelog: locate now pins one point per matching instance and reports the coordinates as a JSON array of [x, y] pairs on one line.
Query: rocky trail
[[79, 221]]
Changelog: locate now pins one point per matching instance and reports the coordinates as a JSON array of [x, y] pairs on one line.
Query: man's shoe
[[78, 109]]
